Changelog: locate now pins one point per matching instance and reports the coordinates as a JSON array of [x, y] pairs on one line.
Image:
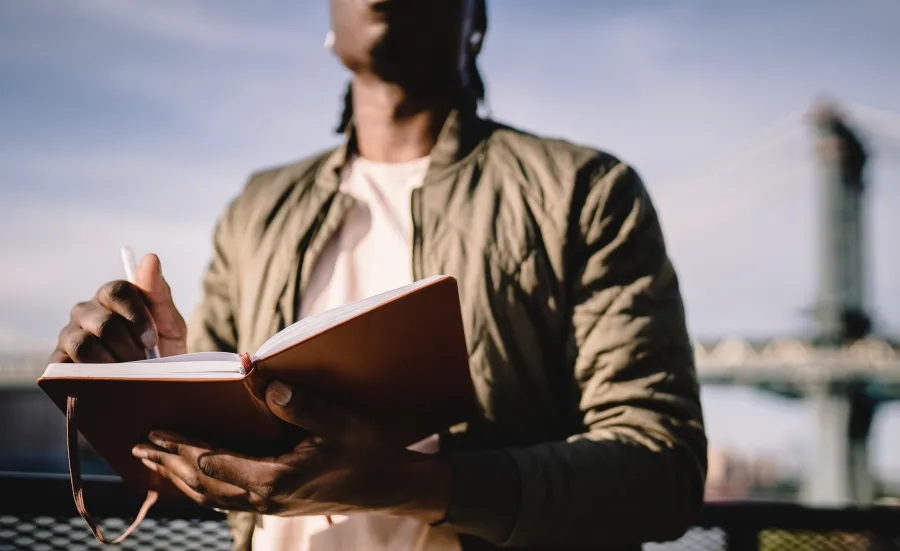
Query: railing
[[37, 514]]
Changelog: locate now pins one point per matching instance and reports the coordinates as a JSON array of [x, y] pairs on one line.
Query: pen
[[130, 269]]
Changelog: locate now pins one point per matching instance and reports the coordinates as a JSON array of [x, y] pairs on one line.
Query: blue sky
[[135, 122]]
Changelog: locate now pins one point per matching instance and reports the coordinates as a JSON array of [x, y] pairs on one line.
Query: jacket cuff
[[486, 495]]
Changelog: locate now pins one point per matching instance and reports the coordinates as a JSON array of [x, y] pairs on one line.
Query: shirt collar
[[462, 130]]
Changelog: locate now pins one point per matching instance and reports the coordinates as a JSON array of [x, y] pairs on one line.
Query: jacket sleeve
[[636, 473], [213, 327]]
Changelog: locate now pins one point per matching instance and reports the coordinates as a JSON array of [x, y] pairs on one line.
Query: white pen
[[130, 270]]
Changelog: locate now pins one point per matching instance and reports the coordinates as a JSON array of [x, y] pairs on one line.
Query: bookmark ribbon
[[78, 490], [246, 362]]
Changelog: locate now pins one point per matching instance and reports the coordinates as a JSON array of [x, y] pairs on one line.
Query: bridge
[[846, 369]]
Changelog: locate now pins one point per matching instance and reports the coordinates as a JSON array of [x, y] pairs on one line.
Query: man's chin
[[390, 57]]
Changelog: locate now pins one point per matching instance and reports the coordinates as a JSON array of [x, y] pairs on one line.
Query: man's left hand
[[345, 467]]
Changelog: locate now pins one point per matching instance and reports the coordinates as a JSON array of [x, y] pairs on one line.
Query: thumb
[[324, 419], [149, 279]]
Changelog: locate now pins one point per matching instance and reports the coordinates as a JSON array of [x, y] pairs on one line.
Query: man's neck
[[393, 125]]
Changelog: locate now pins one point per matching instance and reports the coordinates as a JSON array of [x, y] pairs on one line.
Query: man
[[590, 431]]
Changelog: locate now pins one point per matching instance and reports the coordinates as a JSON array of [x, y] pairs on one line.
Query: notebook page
[[147, 370], [194, 357], [313, 324]]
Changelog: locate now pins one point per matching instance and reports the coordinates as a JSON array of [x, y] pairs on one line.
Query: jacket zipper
[[416, 204]]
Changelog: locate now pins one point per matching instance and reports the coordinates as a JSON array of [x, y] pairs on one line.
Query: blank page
[[209, 369], [311, 325]]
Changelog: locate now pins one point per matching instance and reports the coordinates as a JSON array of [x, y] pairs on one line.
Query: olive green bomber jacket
[[590, 433]]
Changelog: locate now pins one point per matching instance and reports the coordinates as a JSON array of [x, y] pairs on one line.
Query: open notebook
[[399, 358], [225, 365]]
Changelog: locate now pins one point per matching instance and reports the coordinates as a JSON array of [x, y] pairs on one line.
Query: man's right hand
[[123, 320]]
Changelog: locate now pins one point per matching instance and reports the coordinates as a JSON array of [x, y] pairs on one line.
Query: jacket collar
[[460, 134]]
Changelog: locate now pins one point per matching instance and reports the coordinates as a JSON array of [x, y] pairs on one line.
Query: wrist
[[430, 486]]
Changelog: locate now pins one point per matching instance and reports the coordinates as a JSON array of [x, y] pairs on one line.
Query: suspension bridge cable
[[774, 135]]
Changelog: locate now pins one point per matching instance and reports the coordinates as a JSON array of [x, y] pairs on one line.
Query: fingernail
[[139, 453], [148, 337], [157, 439], [280, 393], [149, 464]]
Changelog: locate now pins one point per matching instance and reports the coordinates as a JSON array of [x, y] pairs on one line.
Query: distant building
[[734, 477]]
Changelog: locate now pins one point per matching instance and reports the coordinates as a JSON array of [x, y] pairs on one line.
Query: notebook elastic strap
[[78, 491], [246, 362]]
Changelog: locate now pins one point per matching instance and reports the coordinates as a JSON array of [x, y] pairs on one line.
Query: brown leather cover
[[78, 489], [114, 415], [404, 364]]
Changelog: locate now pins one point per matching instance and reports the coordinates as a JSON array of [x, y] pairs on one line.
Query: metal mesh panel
[[696, 539], [782, 540], [72, 534], [715, 539]]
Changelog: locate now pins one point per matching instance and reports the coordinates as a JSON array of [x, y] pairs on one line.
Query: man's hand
[[123, 320], [344, 468]]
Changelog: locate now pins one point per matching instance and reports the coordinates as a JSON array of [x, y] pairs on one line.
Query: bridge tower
[[844, 371], [844, 408]]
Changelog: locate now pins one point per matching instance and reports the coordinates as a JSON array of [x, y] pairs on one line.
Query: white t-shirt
[[370, 254]]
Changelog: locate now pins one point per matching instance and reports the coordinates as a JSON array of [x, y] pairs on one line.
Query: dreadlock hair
[[347, 111], [472, 96]]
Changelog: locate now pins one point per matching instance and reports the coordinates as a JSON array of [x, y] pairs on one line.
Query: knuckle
[[116, 290], [62, 339], [195, 484], [105, 325], [78, 311], [78, 344], [209, 467], [153, 456]]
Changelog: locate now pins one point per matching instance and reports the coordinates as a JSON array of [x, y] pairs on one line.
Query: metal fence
[[36, 514]]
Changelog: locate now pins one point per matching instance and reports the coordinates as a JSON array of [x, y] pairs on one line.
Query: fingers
[[123, 320], [81, 346], [170, 326], [59, 356], [324, 419], [112, 329], [178, 462], [256, 475], [126, 300], [149, 279], [114, 326], [202, 490], [158, 468]]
